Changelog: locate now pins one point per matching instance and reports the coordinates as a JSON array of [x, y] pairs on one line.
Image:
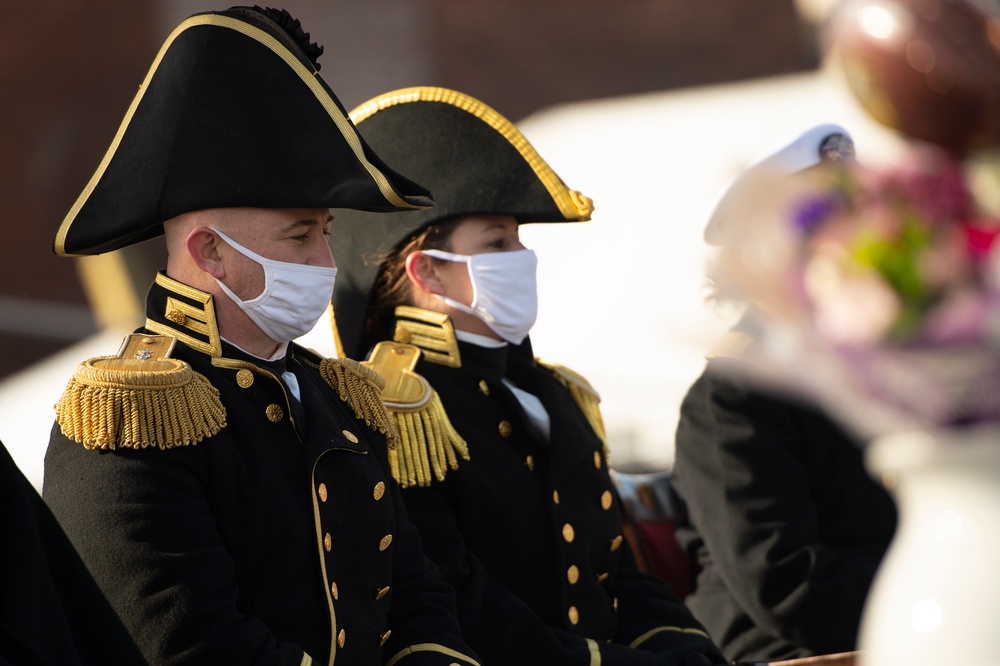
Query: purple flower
[[810, 213]]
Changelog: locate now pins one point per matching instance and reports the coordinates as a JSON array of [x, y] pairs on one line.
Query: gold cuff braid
[[112, 403], [361, 388]]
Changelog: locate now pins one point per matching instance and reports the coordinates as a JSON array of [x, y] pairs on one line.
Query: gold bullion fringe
[[361, 388], [108, 408], [428, 442], [586, 398]]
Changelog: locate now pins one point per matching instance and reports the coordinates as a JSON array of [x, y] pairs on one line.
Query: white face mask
[[295, 296], [504, 290]]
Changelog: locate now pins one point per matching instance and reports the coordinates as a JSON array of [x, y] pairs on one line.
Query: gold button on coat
[[379, 490], [350, 437], [384, 637], [616, 543], [614, 604], [568, 533], [573, 574], [606, 500], [555, 497], [327, 542], [484, 388], [274, 412], [597, 459], [529, 462], [244, 378], [381, 592], [335, 591], [574, 615], [384, 543], [603, 577], [504, 428], [341, 638], [321, 491]]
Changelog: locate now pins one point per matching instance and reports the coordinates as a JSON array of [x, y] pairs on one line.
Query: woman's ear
[[420, 270], [203, 246]]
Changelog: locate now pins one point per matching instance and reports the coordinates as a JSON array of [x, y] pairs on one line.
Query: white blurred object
[[27, 399], [936, 596], [817, 144]]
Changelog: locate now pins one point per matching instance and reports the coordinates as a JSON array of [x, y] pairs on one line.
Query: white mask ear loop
[[458, 259], [504, 288]]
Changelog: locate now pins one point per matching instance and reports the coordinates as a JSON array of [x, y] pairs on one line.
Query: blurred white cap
[[822, 143]]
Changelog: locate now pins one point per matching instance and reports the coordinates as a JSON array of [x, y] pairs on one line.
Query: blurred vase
[[936, 597], [927, 68]]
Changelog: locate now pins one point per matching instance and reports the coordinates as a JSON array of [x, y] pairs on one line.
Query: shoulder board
[[361, 388], [139, 398], [429, 444], [585, 395]]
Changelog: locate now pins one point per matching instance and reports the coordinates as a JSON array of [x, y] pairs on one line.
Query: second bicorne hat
[[474, 160], [232, 113]]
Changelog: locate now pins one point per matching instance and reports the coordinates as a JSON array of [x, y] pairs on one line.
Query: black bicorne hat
[[474, 161], [233, 112]]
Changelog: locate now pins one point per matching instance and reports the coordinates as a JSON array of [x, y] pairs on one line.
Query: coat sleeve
[[142, 522], [747, 494], [489, 611], [651, 618]]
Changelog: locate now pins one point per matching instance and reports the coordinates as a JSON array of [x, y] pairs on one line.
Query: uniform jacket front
[[784, 525], [282, 539], [529, 530]]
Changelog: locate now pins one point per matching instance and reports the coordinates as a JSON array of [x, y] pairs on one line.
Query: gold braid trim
[[429, 443], [113, 402], [585, 396], [361, 388]]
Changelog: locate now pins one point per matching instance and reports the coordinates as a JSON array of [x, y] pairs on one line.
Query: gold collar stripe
[[572, 204], [198, 318], [431, 331]]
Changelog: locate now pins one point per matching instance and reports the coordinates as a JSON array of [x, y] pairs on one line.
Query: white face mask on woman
[[504, 290], [295, 296]]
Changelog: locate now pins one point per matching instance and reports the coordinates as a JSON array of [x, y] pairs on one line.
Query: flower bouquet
[[876, 291]]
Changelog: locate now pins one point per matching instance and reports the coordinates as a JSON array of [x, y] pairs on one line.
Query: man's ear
[[203, 246], [420, 270]]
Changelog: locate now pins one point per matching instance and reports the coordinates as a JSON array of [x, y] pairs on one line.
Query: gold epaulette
[[429, 443], [733, 345], [361, 388], [586, 397], [138, 399]]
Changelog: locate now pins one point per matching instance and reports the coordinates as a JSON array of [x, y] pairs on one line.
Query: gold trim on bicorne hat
[[256, 126], [572, 204]]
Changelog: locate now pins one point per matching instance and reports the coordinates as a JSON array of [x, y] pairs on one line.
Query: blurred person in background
[[783, 524]]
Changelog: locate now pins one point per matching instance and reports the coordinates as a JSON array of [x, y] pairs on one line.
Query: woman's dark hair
[[392, 287]]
